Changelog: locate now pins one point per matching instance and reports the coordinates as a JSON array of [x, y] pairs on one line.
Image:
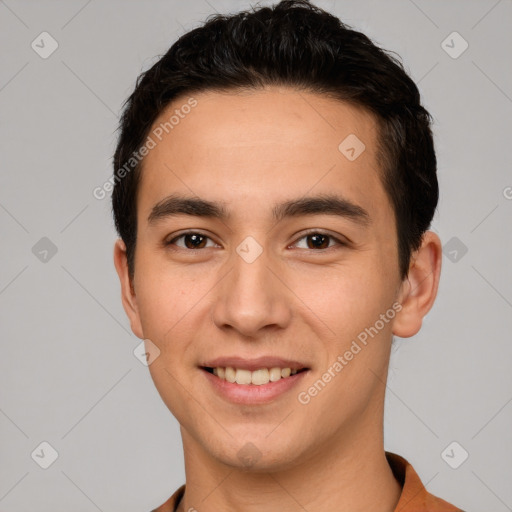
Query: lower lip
[[251, 393]]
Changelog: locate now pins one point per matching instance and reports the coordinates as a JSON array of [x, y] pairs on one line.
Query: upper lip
[[254, 364]]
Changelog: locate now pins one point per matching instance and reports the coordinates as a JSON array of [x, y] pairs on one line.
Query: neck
[[350, 474]]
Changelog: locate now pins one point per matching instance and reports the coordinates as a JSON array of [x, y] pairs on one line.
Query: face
[[280, 280]]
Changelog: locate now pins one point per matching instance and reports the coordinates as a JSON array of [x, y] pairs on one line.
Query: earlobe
[[128, 296], [418, 291]]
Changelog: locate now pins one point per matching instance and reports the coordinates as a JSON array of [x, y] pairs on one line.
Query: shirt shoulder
[[414, 497], [172, 503]]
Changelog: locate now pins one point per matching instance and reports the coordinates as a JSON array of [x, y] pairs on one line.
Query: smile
[[257, 387], [258, 377]]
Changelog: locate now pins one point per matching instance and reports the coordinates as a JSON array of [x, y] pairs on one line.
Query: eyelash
[[305, 235]]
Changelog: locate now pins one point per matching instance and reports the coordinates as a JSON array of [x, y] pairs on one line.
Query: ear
[[128, 296], [418, 290]]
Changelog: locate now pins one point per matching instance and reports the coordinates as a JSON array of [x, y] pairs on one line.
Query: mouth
[[259, 377], [257, 382]]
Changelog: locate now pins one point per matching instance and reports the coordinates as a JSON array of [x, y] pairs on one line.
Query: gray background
[[68, 375]]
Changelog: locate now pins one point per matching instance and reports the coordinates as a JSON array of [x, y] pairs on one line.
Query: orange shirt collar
[[414, 497]]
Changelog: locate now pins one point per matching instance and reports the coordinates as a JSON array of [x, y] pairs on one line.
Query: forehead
[[251, 148]]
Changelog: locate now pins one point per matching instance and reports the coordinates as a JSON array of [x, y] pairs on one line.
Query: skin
[[252, 150]]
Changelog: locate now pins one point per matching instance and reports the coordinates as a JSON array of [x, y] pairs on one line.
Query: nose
[[253, 298]]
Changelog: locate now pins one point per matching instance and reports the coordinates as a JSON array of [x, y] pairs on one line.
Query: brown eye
[[191, 240], [316, 240]]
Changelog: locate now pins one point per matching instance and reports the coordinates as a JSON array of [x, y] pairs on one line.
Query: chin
[[257, 454]]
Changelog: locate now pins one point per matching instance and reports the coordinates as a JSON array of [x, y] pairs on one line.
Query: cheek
[[161, 303], [357, 345], [348, 294], [161, 292], [345, 308], [168, 318]]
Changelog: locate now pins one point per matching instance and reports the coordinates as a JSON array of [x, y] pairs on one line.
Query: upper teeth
[[258, 377]]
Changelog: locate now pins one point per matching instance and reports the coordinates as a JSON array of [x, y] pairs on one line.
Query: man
[[275, 179]]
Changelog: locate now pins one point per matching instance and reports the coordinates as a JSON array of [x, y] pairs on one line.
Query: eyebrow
[[325, 204]]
